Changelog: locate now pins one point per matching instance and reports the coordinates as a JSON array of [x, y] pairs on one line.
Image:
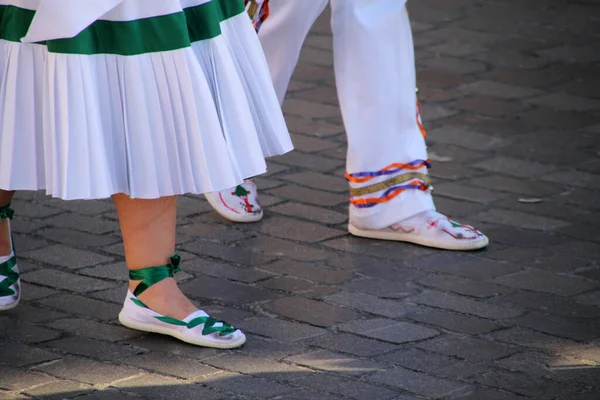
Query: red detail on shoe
[[226, 206]]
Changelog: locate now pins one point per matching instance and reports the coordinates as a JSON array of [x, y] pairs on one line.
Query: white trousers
[[375, 76]]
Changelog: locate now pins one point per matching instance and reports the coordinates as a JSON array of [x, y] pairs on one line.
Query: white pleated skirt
[[142, 103]]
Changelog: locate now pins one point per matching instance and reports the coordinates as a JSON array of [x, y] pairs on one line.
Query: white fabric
[[375, 77], [150, 125]]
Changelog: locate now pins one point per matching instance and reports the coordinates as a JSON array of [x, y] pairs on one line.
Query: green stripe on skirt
[[128, 38]]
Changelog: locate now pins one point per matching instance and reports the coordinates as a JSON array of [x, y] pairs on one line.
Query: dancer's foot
[[429, 228], [154, 303], [10, 284], [239, 204]]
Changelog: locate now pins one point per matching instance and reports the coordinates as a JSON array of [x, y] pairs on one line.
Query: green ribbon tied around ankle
[[152, 275], [209, 325], [6, 269], [6, 212]]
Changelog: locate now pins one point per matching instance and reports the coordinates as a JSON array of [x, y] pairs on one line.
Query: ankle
[[5, 241]]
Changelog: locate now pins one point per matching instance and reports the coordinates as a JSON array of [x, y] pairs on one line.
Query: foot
[[10, 284], [429, 228], [155, 304], [239, 204]]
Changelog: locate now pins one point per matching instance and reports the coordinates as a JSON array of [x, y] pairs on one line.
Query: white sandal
[[430, 229], [10, 283], [239, 204], [197, 328]]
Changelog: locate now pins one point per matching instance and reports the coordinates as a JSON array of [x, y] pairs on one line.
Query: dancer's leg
[[5, 243], [387, 156], [148, 229]]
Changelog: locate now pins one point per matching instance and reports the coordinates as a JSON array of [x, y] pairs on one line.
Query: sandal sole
[[403, 237], [163, 330]]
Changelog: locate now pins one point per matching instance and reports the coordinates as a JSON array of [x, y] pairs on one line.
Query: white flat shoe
[[238, 204], [197, 328], [10, 283], [430, 229]]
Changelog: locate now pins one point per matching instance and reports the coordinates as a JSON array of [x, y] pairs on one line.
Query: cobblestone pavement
[[511, 101]]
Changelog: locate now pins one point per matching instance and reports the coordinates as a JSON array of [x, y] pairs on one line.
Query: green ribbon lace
[[6, 212], [6, 268], [152, 275], [209, 325]]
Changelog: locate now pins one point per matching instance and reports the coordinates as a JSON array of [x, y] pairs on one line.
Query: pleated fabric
[[148, 101]]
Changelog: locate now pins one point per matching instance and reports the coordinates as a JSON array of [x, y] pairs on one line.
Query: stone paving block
[[25, 242], [499, 90], [258, 366], [312, 213], [226, 291], [73, 238], [67, 281], [466, 266], [314, 312], [246, 385], [367, 303], [19, 331], [65, 256], [514, 167], [463, 137], [152, 386], [309, 110], [97, 349], [278, 248], [287, 284], [335, 362], [530, 338], [310, 144], [534, 188], [491, 394], [526, 385], [432, 363], [488, 106], [19, 355], [389, 330], [117, 272], [309, 271], [271, 349], [348, 388], [85, 306], [419, 383], [382, 288], [94, 329], [468, 348], [551, 304], [32, 292], [82, 223], [171, 346], [453, 65], [565, 102], [377, 249], [212, 232], [464, 286], [454, 322], [548, 282], [318, 181], [28, 313], [520, 220], [314, 128], [310, 161], [227, 253], [574, 178], [309, 196], [524, 238], [19, 379], [222, 270], [107, 394], [352, 344], [465, 305], [87, 371], [281, 330], [177, 366], [59, 390], [563, 327], [293, 229], [462, 192]]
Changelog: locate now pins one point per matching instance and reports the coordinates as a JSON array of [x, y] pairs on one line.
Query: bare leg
[[5, 245], [148, 229]]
